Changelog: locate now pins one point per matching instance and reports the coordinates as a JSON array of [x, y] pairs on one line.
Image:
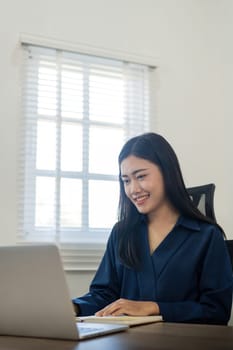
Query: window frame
[[83, 255]]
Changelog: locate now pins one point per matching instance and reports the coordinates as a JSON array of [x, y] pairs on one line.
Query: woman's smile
[[140, 199]]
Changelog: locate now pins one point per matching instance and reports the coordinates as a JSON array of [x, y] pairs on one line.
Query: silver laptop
[[34, 298]]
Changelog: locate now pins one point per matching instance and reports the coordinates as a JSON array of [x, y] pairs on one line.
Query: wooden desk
[[161, 336]]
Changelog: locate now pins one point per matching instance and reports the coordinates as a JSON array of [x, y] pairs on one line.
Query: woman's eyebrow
[[134, 172]]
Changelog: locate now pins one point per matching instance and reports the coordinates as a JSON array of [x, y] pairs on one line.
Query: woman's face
[[143, 184]]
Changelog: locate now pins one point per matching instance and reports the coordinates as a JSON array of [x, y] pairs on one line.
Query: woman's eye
[[125, 181], [140, 177]]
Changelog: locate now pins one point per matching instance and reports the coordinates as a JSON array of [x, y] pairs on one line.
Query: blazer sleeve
[[215, 289], [104, 287]]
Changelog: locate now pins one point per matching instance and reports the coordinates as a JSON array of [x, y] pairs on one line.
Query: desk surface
[[163, 336]]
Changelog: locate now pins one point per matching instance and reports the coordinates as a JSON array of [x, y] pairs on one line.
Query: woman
[[163, 256]]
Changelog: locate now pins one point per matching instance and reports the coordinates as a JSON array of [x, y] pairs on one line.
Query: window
[[78, 110]]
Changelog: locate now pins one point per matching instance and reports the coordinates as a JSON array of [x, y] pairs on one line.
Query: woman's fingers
[[130, 307]]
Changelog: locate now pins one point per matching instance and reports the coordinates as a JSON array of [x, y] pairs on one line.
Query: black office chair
[[203, 198]]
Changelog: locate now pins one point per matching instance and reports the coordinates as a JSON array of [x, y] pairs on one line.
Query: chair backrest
[[203, 198]]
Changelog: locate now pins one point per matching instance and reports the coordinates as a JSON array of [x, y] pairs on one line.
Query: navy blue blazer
[[189, 275]]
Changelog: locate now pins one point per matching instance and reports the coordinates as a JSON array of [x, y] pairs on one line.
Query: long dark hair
[[156, 149]]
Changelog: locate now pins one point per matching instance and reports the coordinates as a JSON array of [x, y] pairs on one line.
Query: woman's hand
[[130, 307]]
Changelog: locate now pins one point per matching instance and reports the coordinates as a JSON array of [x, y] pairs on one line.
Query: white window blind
[[78, 110]]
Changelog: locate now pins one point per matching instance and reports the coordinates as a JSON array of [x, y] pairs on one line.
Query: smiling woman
[[164, 257]]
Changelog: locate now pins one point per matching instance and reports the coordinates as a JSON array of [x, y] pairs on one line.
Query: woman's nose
[[134, 187]]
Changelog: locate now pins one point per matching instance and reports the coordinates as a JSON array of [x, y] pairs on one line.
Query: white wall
[[191, 41]]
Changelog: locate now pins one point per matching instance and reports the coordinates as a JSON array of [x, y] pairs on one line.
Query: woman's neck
[[167, 214]]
